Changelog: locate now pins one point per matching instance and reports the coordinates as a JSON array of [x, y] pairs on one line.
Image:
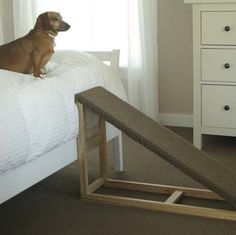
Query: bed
[[39, 119]]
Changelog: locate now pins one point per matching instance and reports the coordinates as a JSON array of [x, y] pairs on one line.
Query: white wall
[[175, 57]]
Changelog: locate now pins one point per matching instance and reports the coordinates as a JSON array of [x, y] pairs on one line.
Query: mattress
[[37, 115]]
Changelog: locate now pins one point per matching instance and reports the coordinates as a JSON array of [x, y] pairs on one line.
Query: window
[[95, 24]]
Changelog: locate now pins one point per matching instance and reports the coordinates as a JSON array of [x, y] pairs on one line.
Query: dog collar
[[50, 35]]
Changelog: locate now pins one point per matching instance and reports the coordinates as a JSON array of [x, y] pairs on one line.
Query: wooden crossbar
[[88, 119], [174, 197]]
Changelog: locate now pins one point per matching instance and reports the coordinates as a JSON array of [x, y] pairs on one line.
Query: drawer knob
[[227, 28], [227, 65], [226, 108]]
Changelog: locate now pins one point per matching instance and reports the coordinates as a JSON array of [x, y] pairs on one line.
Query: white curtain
[[142, 56], [128, 25], [24, 12]]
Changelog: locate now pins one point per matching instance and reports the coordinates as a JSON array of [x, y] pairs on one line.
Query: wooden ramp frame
[[93, 134]]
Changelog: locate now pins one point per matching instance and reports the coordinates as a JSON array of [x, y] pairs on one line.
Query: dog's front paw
[[42, 76], [43, 71], [39, 76]]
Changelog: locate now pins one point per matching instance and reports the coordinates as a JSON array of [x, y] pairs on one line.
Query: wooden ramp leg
[[81, 148], [92, 134]]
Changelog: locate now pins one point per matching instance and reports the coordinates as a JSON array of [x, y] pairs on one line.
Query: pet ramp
[[98, 106]]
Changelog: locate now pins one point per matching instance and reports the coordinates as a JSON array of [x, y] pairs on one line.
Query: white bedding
[[37, 115]]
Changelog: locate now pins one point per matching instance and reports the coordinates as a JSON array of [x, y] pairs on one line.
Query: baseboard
[[178, 120]]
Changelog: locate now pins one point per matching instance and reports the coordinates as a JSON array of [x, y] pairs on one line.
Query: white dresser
[[214, 56]]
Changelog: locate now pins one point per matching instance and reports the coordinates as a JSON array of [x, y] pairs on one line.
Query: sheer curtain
[[142, 56], [24, 12], [128, 25]]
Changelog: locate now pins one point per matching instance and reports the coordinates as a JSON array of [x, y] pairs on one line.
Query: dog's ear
[[42, 22]]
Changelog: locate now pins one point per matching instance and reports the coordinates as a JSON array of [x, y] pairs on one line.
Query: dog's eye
[[55, 19]]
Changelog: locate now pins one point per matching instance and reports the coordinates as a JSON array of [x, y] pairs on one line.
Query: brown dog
[[30, 53]]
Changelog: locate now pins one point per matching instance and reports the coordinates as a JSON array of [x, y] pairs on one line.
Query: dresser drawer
[[218, 28], [219, 106], [219, 65]]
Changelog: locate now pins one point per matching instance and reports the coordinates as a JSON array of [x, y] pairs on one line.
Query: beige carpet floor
[[53, 206]]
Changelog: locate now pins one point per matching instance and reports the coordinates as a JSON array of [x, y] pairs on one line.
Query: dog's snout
[[67, 26], [63, 26]]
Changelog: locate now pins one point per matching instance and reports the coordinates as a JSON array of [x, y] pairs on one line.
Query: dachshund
[[30, 53]]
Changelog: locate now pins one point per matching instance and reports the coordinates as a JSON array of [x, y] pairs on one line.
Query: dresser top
[[209, 1]]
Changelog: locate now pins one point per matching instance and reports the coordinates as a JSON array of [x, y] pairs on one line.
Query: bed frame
[[24, 176]]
